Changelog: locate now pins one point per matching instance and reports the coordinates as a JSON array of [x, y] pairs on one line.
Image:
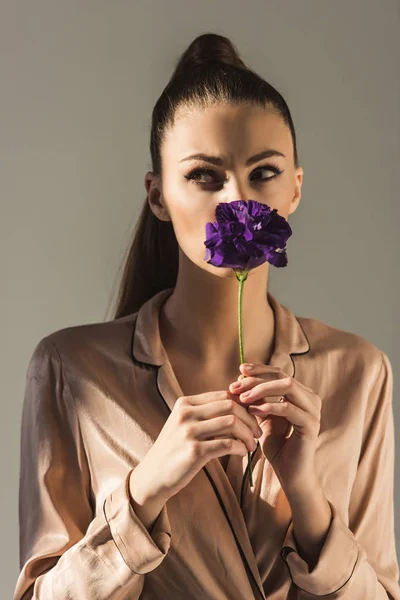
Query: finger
[[247, 383], [206, 397], [246, 415], [218, 408], [295, 415], [258, 368], [250, 420], [243, 412], [210, 397], [295, 392], [221, 425]]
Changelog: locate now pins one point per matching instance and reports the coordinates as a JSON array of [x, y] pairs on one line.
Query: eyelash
[[191, 175]]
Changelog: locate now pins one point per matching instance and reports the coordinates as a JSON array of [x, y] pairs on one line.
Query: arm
[[358, 562], [146, 507], [65, 551]]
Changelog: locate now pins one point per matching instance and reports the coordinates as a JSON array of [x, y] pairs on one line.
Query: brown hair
[[209, 72]]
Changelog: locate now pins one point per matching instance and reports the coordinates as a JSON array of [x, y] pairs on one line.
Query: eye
[[203, 171], [193, 174], [272, 168]]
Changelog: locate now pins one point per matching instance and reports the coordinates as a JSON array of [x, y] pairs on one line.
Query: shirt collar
[[147, 347]]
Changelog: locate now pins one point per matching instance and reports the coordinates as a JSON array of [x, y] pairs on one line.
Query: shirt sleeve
[[358, 562], [65, 551]]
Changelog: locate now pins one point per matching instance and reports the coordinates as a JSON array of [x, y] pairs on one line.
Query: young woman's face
[[191, 188]]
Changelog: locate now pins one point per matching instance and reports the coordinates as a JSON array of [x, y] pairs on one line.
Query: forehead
[[230, 131]]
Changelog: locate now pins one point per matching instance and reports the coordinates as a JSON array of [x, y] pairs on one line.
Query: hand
[[199, 428], [290, 428]]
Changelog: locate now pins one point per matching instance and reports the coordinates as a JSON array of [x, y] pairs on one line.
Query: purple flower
[[245, 235]]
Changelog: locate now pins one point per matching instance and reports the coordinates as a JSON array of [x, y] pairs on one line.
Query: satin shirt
[[97, 396]]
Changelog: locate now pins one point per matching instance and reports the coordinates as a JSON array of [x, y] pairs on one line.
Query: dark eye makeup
[[199, 171]]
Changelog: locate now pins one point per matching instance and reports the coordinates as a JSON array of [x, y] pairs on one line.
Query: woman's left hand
[[290, 427]]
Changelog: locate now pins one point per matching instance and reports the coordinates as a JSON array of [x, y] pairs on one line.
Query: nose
[[235, 190]]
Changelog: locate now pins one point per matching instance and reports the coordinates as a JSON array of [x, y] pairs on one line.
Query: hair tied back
[[209, 72], [209, 48]]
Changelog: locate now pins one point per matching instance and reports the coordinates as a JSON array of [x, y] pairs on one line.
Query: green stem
[[242, 278]]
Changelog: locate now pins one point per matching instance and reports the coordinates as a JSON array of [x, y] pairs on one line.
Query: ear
[[297, 192], [155, 197]]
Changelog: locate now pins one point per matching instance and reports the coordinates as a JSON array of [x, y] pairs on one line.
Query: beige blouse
[[97, 396]]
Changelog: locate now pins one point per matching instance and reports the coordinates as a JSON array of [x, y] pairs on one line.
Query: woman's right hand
[[199, 428]]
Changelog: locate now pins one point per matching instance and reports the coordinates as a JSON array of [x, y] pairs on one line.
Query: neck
[[200, 318]]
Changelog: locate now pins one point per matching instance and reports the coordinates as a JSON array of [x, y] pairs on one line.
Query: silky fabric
[[96, 398]]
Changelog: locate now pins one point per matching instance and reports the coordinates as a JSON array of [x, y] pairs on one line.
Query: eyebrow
[[217, 160]]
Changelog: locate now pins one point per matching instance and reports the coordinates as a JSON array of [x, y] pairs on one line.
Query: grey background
[[78, 84]]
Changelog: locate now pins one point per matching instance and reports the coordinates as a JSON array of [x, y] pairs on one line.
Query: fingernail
[[249, 366], [245, 395], [235, 385]]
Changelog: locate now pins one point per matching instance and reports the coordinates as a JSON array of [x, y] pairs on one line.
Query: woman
[[121, 495]]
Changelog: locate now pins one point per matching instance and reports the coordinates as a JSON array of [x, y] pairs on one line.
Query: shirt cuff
[[142, 551], [335, 564]]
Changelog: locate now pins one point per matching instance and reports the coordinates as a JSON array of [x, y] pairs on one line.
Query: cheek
[[188, 220], [190, 232], [189, 214], [189, 224], [183, 209]]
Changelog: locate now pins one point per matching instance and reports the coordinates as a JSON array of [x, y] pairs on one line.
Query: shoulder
[[86, 342], [350, 352], [352, 375]]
